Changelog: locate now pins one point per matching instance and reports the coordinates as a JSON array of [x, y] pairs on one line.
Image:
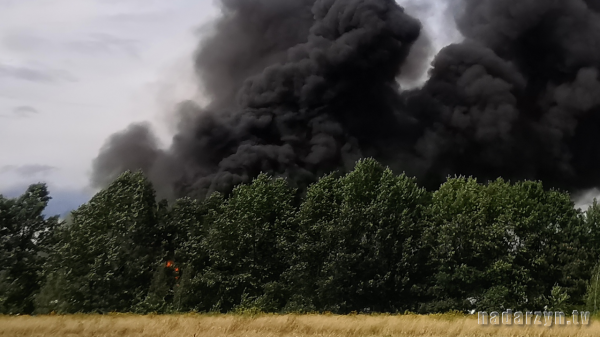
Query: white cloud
[[91, 67], [585, 199], [28, 170], [439, 30]]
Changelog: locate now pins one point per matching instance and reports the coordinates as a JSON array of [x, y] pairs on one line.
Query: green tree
[[359, 242], [54, 295], [593, 290], [25, 240], [591, 232], [185, 298], [592, 228], [191, 220], [246, 245], [502, 245], [368, 240], [468, 247], [108, 254], [160, 293]]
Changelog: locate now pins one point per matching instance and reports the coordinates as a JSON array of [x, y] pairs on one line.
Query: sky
[[72, 72]]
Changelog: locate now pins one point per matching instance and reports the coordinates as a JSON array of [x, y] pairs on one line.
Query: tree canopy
[[369, 241]]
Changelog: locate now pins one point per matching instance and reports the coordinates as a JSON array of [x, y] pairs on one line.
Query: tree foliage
[[25, 239], [368, 240], [107, 255], [502, 245]]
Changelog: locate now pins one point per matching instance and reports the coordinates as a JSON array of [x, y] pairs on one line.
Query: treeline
[[367, 241]]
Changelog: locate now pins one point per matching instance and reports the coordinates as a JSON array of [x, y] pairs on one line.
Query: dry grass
[[271, 325]]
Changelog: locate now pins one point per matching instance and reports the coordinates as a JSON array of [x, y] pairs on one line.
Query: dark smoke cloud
[[298, 88], [135, 147], [518, 98], [301, 88]]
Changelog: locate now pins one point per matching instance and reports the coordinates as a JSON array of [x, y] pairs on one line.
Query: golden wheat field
[[271, 325]]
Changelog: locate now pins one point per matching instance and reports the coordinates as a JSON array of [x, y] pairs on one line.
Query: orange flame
[[177, 270], [169, 264]]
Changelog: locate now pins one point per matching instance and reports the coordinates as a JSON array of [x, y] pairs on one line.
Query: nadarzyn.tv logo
[[546, 318]]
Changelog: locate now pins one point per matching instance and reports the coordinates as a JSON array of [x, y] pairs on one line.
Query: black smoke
[[301, 88], [520, 97]]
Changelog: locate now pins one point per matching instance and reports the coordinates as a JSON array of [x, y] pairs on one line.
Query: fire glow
[[170, 264]]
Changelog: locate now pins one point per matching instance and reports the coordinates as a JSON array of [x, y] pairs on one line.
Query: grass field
[[272, 325]]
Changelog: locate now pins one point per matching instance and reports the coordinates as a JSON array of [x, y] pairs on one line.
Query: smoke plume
[[300, 88]]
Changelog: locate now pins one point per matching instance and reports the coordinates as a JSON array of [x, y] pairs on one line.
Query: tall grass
[[273, 325]]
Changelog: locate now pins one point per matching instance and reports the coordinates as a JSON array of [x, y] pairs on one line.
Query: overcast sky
[[72, 72]]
